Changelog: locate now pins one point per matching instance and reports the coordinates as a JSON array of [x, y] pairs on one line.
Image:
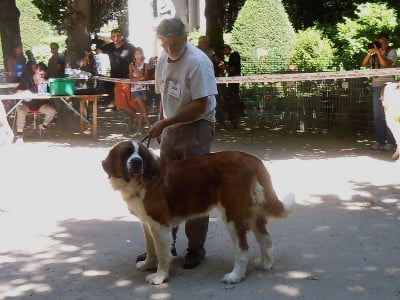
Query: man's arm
[[187, 114]]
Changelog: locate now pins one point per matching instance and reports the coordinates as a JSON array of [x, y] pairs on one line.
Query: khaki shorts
[[188, 140]]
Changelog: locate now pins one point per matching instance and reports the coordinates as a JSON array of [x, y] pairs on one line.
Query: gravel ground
[[66, 235]]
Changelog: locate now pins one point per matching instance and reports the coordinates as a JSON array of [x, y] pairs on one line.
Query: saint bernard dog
[[391, 103], [162, 193]]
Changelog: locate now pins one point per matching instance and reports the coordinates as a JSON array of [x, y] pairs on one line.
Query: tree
[[262, 33], [355, 33], [78, 25], [101, 11], [325, 13], [313, 52], [9, 27], [214, 14], [79, 19]]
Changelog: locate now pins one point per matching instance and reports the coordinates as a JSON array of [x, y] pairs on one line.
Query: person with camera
[[379, 56]]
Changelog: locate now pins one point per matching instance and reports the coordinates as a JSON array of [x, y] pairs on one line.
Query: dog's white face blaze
[[134, 155]]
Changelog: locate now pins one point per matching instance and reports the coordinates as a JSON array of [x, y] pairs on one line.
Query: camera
[[376, 43]]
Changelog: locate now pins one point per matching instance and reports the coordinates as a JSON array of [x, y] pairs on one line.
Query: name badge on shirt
[[174, 89]]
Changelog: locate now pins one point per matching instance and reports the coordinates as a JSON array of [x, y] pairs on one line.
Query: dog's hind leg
[[150, 263], [264, 241], [241, 251], [162, 240]]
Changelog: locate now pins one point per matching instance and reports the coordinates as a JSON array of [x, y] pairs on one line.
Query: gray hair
[[173, 26]]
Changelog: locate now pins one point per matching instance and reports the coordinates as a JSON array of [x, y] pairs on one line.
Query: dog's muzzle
[[134, 167]]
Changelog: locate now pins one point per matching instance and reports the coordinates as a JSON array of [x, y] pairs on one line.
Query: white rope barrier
[[271, 78]]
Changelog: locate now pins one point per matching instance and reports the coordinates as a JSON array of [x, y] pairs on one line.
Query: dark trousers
[[182, 142]]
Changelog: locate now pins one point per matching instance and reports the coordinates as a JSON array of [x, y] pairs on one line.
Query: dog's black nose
[[135, 165]]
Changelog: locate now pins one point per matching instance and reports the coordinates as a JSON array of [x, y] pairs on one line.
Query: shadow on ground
[[67, 235]]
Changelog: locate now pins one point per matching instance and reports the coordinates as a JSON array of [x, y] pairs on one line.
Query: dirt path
[[66, 235]]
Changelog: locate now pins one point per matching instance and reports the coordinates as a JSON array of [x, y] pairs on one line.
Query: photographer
[[379, 56]]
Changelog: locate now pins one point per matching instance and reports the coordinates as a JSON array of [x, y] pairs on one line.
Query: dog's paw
[[147, 265], [232, 278], [265, 265], [157, 278]]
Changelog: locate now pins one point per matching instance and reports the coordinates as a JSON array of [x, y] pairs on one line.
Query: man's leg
[[195, 140]]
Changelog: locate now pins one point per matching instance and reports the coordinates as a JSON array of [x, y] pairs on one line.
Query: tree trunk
[[78, 25], [214, 13], [9, 27]]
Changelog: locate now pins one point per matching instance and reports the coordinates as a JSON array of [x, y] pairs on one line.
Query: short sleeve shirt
[[190, 78], [120, 58]]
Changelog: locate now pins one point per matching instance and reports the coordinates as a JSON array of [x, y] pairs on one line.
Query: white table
[[83, 99]]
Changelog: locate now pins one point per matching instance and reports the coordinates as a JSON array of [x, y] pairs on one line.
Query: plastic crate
[[62, 87]]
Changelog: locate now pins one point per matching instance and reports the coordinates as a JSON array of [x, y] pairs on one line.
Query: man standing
[[381, 56], [234, 68], [56, 64], [121, 55], [185, 79]]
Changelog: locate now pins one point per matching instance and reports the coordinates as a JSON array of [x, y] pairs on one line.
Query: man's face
[[40, 74], [384, 43], [53, 49], [174, 46], [116, 37]]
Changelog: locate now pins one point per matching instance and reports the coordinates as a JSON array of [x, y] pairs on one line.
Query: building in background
[[144, 19]]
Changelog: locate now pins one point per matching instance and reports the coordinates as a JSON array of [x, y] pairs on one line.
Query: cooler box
[[62, 86]]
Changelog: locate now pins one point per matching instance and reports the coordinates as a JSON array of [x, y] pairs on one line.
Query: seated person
[[29, 84]]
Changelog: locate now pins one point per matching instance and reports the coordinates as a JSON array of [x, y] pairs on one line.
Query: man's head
[[116, 37], [40, 71], [54, 48], [173, 37], [384, 40], [226, 49], [203, 42]]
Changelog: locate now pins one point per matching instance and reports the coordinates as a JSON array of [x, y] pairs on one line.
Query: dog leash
[[148, 141]]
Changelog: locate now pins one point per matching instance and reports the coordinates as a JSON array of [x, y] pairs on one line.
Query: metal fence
[[337, 106]]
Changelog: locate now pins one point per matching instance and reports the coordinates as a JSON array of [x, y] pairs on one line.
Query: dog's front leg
[[162, 241], [150, 263]]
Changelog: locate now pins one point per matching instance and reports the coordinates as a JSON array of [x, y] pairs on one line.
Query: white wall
[[142, 23]]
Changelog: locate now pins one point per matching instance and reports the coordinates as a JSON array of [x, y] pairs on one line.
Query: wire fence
[[338, 106]]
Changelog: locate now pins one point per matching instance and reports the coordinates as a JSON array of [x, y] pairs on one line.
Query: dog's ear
[[150, 162], [109, 163]]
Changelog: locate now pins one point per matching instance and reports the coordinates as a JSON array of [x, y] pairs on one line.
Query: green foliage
[[54, 12], [35, 34], [355, 33], [193, 36], [262, 33], [313, 52]]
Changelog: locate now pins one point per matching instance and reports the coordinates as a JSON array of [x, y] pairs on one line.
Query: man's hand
[[156, 129]]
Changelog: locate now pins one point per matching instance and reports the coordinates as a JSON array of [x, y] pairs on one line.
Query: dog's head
[[131, 160]]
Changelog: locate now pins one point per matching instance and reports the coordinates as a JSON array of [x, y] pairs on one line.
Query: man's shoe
[[143, 256], [389, 147], [18, 139], [43, 131], [376, 146], [192, 259]]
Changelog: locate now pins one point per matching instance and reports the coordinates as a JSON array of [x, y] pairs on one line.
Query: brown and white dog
[[162, 193], [391, 103]]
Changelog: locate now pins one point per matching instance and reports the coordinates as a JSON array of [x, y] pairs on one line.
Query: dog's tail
[[273, 206]]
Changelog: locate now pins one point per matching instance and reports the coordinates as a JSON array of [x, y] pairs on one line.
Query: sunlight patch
[[123, 282], [92, 273], [160, 296], [74, 259], [287, 290], [356, 288], [297, 275]]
